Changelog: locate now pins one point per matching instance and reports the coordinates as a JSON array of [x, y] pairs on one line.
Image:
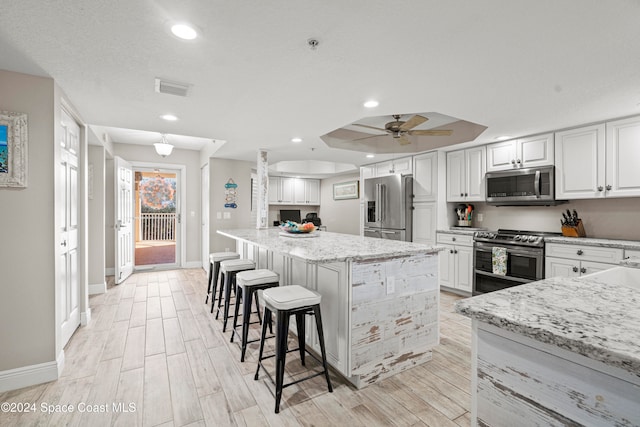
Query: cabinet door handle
[[608, 187], [518, 161], [583, 270], [453, 239], [455, 251], [465, 194], [579, 252], [513, 161], [575, 269], [600, 188], [461, 194], [450, 251]]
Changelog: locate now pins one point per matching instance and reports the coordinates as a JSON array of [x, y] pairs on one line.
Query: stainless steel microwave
[[521, 187]]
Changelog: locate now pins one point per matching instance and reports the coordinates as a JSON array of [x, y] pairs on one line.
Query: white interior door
[[204, 200], [68, 281], [124, 219]]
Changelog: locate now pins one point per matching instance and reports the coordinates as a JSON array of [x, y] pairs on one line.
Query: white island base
[[380, 314], [518, 381]]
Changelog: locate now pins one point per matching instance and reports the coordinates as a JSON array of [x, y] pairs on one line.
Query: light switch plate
[[227, 215], [218, 215], [391, 285]]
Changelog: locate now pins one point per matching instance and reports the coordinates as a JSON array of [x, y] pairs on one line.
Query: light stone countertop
[[580, 315], [468, 232], [586, 241], [328, 246]]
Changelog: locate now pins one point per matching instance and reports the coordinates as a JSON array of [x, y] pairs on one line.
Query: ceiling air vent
[[172, 88]]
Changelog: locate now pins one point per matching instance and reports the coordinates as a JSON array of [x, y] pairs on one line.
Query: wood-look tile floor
[[153, 347]]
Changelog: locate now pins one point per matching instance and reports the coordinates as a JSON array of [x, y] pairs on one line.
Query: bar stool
[[214, 270], [228, 271], [286, 301], [248, 283]]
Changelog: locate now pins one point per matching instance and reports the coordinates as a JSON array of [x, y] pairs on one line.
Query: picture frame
[[346, 190], [13, 149]]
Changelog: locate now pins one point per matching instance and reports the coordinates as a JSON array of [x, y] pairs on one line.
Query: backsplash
[[605, 219]]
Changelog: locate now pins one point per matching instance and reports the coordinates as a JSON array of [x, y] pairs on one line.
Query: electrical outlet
[[227, 215], [218, 215], [480, 217], [227, 249], [391, 285]]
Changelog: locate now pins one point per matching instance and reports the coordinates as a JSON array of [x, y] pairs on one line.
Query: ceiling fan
[[399, 129]]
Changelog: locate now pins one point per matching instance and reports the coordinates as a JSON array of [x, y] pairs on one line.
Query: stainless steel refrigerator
[[388, 207]]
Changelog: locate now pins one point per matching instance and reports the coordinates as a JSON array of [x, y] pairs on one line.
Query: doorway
[[156, 218]]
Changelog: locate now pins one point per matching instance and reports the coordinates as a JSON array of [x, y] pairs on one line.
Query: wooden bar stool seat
[[248, 283], [285, 301], [214, 272]]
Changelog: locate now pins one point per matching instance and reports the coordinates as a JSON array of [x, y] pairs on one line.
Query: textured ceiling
[[517, 67]]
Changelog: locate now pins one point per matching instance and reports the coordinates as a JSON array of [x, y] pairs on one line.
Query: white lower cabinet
[[424, 223], [575, 260], [455, 262]]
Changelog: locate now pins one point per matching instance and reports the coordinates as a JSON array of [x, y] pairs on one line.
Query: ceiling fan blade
[[431, 132], [367, 137], [403, 141], [370, 127], [413, 122]]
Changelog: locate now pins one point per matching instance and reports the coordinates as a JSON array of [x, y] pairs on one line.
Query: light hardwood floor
[[153, 344]]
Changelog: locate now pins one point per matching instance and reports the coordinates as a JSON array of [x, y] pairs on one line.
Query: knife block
[[574, 230]]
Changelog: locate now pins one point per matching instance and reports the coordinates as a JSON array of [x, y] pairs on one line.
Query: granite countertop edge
[[271, 235], [564, 325], [588, 241]]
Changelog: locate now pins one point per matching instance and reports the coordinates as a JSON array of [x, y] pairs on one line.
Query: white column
[[263, 190]]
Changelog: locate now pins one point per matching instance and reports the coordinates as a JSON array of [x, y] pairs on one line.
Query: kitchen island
[[379, 297], [561, 351]]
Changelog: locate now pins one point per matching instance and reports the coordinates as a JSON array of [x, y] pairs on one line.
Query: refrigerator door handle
[[377, 202], [382, 202], [388, 232]]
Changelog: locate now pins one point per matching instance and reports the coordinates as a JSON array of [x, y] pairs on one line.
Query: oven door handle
[[536, 184], [500, 276]]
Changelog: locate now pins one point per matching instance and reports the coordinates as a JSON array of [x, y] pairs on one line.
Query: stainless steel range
[[522, 260]]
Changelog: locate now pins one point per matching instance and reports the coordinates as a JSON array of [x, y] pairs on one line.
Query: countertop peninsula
[[326, 246]]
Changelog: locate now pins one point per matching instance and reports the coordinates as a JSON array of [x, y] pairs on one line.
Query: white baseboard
[[85, 317], [97, 288], [60, 362], [192, 264], [110, 271], [25, 376]]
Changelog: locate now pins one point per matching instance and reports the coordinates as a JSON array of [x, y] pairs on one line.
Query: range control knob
[[533, 238], [517, 238], [492, 235]]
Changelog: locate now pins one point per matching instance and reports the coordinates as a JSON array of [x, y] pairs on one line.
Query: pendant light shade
[[163, 148]]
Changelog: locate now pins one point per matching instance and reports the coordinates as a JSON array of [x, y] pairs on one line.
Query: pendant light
[[163, 148]]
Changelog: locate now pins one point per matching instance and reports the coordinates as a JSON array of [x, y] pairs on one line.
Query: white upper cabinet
[[402, 166], [425, 177], [623, 158], [281, 190], [306, 191], [599, 161], [465, 175], [580, 163], [520, 153]]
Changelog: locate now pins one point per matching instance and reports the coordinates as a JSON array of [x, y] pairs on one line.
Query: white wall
[[96, 227], [340, 216], [27, 270], [606, 218], [220, 170]]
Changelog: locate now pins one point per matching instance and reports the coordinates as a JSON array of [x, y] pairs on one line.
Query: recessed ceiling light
[[184, 31], [169, 117], [296, 139], [503, 138], [370, 156], [371, 104]]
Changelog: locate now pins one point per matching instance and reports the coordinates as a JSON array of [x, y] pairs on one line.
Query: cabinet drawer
[[455, 239], [631, 253], [584, 253]]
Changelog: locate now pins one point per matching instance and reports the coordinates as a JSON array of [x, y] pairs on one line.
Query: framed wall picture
[[13, 149], [345, 190]]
